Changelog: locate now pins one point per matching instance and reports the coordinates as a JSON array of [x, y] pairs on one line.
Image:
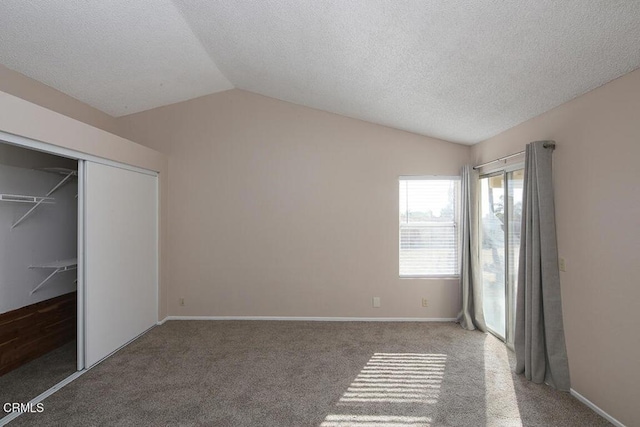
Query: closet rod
[[547, 144]]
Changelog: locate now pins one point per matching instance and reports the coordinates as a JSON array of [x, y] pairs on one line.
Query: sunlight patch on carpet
[[398, 378], [375, 421], [502, 403], [389, 382]]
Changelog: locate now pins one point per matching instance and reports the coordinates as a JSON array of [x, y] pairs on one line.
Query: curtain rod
[[547, 144]]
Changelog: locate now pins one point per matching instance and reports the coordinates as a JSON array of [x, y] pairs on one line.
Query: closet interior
[[38, 271]]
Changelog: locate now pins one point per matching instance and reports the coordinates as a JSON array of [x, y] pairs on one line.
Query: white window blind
[[428, 226]]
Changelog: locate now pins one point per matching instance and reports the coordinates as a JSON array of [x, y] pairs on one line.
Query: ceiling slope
[[118, 56], [458, 70]]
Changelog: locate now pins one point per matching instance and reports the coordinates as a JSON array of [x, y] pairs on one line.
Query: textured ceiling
[[459, 70], [120, 56]]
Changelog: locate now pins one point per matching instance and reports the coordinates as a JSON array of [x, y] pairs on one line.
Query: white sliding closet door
[[121, 257]]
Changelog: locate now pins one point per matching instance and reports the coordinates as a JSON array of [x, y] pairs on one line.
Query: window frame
[[457, 211]]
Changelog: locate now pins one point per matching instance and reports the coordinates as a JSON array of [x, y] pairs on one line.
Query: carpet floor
[[327, 374], [26, 382]]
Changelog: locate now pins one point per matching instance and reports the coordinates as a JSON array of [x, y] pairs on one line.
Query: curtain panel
[[472, 315], [541, 353]]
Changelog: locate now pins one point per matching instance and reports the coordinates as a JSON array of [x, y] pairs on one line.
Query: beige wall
[[20, 117], [282, 210], [19, 85], [287, 211], [597, 179]]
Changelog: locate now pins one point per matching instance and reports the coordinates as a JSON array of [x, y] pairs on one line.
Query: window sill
[[447, 277]]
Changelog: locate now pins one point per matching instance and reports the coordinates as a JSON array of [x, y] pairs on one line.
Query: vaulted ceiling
[[458, 70]]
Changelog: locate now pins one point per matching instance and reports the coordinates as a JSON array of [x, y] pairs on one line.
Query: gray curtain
[[539, 335], [471, 316]]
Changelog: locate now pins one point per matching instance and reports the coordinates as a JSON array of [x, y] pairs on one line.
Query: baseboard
[[593, 406], [313, 319]]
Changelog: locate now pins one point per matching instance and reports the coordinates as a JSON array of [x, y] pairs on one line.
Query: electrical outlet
[[376, 302], [181, 301], [562, 264], [425, 302]]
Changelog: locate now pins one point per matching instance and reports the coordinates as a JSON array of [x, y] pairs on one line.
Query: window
[[429, 226]]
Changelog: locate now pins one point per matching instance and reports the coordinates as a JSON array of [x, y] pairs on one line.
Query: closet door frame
[[81, 158], [80, 336]]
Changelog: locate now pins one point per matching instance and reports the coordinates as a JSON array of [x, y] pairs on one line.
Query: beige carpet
[[188, 373], [23, 384]]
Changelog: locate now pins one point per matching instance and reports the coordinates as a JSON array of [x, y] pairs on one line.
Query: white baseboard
[[593, 406], [313, 319]]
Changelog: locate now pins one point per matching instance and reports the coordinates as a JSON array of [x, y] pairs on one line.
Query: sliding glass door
[[500, 216], [515, 180]]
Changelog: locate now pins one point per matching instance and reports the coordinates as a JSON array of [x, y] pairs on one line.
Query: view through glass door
[[500, 216]]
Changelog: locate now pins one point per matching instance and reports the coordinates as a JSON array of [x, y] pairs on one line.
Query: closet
[[78, 263], [38, 271]]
